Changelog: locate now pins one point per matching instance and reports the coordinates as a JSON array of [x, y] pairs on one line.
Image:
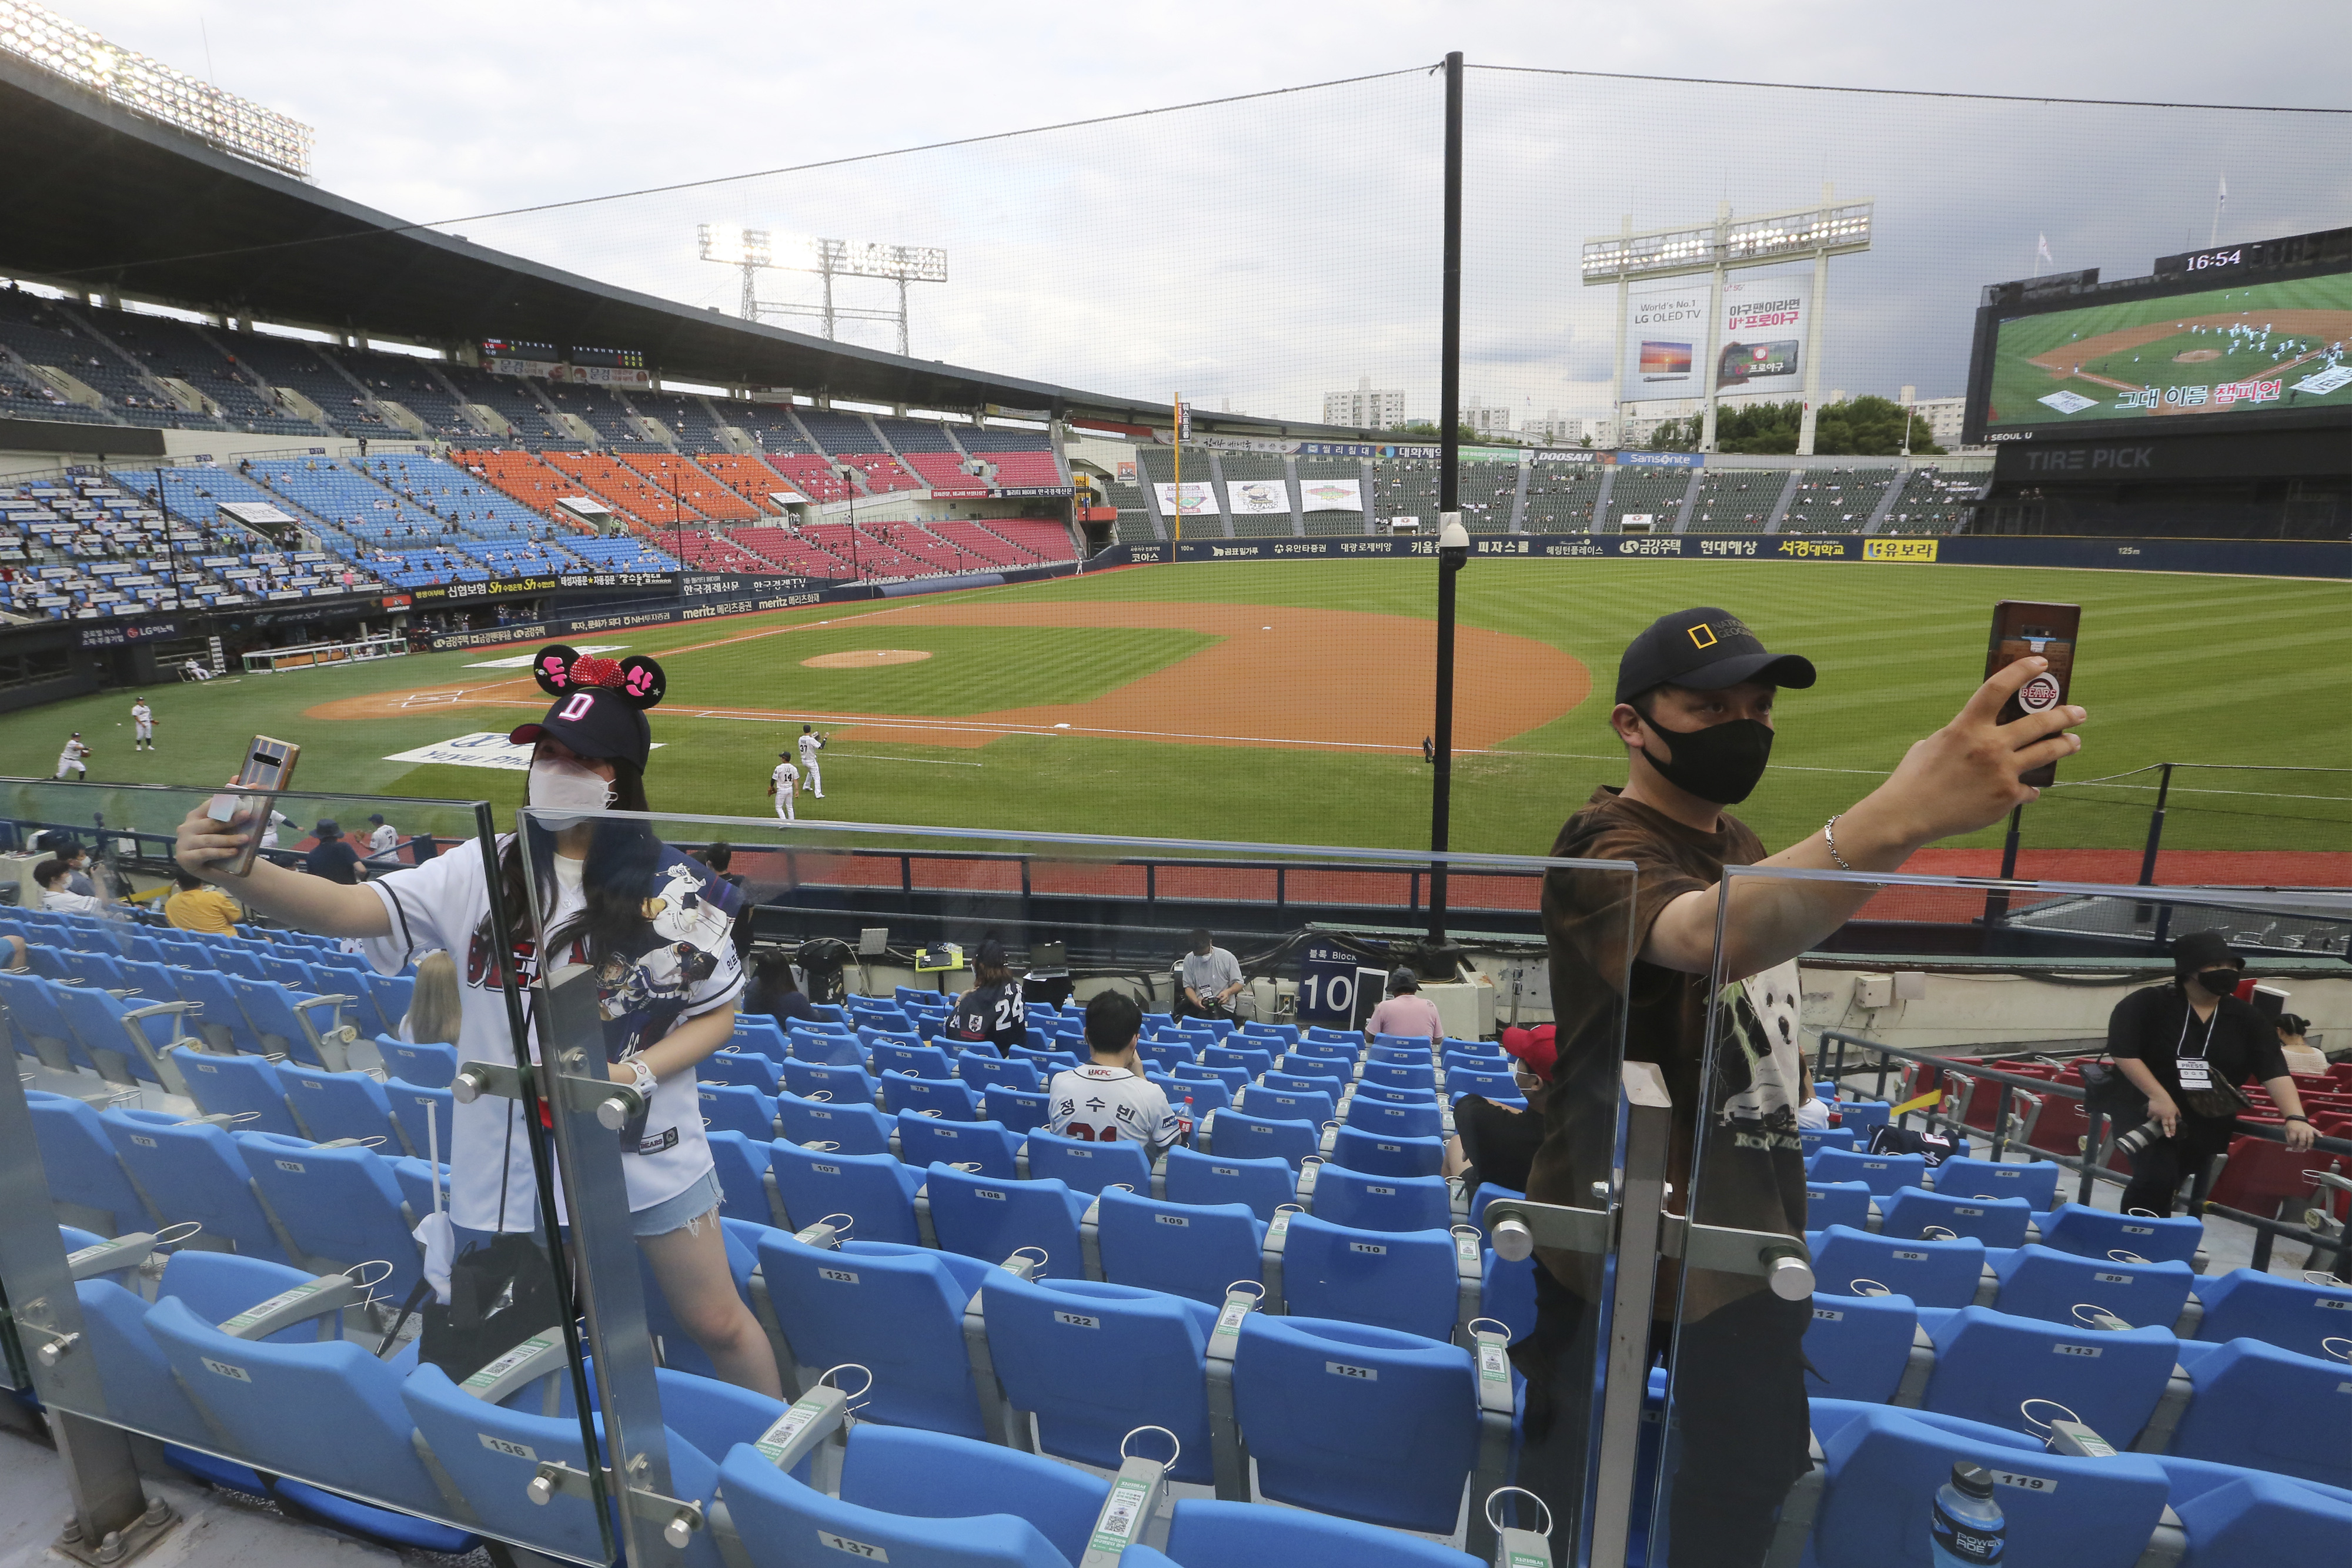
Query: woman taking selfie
[[651, 922]]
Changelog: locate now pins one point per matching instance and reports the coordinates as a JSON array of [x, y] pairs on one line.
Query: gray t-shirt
[[1210, 973]]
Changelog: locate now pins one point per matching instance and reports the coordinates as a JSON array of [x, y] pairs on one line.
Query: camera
[[2139, 1138]]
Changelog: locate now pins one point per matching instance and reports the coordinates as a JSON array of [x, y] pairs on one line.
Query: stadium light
[[1828, 229], [153, 88], [732, 244]]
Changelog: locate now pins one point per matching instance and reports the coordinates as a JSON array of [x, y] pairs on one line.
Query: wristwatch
[[645, 1081]]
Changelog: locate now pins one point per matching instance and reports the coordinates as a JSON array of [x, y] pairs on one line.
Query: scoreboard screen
[[516, 348], [616, 359]]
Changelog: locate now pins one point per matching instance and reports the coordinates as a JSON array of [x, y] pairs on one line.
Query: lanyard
[[2179, 1049]]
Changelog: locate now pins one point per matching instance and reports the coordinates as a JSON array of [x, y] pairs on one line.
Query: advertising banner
[[1257, 497], [1199, 499], [1763, 328], [1665, 338], [1331, 494]]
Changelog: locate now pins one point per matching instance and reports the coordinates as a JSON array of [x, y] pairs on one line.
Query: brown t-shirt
[[1596, 923]]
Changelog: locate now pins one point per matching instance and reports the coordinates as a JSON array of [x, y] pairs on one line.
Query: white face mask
[[567, 786]]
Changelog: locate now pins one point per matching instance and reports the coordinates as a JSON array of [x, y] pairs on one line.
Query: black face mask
[[2219, 982], [1721, 763]]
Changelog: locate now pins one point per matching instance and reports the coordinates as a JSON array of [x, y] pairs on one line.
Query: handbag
[[499, 1295], [2106, 1091], [2221, 1102]]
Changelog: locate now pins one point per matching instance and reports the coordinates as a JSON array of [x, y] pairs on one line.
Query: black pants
[[1499, 1144], [2159, 1169], [1740, 1420]]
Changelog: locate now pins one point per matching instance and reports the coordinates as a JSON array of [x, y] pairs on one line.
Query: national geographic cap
[[1705, 649]]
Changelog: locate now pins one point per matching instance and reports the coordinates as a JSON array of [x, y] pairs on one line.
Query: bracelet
[[2304, 1120], [644, 1083], [1829, 836]]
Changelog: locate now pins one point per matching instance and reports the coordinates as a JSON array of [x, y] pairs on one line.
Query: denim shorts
[[676, 1213]]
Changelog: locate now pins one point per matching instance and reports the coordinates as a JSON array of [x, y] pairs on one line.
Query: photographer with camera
[[2188, 1046]]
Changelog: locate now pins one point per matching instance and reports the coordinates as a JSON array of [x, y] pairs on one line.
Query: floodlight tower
[[731, 245], [1832, 228]]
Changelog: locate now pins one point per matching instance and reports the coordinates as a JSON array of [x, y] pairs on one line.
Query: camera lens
[[2139, 1138]]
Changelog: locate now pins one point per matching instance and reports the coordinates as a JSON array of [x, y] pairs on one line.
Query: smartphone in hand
[[268, 768], [2024, 629]]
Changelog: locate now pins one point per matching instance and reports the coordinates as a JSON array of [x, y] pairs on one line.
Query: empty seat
[[1996, 1221], [1247, 1535], [1813, 1138], [1167, 1054], [1020, 1110], [1326, 1083], [895, 1310], [1194, 1097], [1989, 1364], [1829, 1203], [875, 1190], [86, 1178], [1885, 1175], [242, 1086], [2258, 1519], [1386, 1094], [2036, 1182], [984, 1071], [910, 1061], [2271, 1409], [1498, 1085], [1369, 1202], [1185, 1250], [1313, 1107], [431, 1066], [1093, 1360], [125, 1043], [983, 1217], [306, 1029], [2100, 1233], [1087, 1167], [852, 1126], [736, 1108], [1858, 1347], [1363, 1422], [1932, 1273], [2294, 1314], [1400, 1075], [2044, 1282], [193, 1170], [332, 1106], [1261, 1185], [762, 1035], [1244, 1136], [1409, 1281], [1234, 1079], [338, 1207], [423, 1116], [946, 1096], [990, 1147], [744, 1067], [1252, 1061], [1384, 1153], [741, 1163]]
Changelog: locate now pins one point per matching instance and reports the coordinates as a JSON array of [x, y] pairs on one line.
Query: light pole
[[1453, 540], [1453, 552]]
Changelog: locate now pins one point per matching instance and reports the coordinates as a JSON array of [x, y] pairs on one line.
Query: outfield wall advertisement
[[1762, 334], [1665, 338]]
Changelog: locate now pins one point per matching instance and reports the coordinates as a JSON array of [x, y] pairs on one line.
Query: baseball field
[[2273, 346], [1287, 702]]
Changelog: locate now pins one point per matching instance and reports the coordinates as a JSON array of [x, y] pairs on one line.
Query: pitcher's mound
[[2196, 356], [864, 658]]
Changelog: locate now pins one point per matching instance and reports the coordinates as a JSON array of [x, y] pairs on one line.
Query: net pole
[[1176, 428], [1449, 474]]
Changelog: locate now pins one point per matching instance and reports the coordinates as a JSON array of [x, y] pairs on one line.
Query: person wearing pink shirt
[[1406, 1011]]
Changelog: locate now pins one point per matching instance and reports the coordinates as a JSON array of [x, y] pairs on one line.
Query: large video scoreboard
[[2231, 338]]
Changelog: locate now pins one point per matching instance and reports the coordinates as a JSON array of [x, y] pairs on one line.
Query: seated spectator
[[2300, 1055], [434, 1004], [1405, 1012], [1212, 976], [775, 992], [196, 907], [994, 1011], [56, 896], [332, 857], [1497, 1142], [1109, 1097]]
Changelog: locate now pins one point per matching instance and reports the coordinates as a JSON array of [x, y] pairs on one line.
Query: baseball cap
[[1402, 979], [992, 953], [1535, 1047], [377, 818], [1705, 649], [784, 754], [596, 722]]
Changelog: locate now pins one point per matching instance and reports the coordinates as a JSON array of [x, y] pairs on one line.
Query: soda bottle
[[1184, 1124], [1968, 1530]]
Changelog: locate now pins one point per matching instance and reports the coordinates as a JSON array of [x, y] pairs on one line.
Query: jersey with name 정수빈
[[1102, 1104]]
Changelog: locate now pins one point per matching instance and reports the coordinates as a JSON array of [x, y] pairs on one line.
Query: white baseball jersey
[[809, 746], [1102, 1104], [72, 756], [385, 837], [142, 715], [787, 777]]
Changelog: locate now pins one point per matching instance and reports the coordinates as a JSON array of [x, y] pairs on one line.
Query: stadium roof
[[104, 199]]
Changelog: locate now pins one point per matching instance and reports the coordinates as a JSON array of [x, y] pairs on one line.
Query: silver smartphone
[[268, 768]]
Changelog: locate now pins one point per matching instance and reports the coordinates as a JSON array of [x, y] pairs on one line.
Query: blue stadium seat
[[332, 1106], [1371, 1114], [990, 1219], [1498, 1086], [428, 1065], [1183, 1249], [1885, 1175], [984, 1071], [1261, 1185], [1020, 1110], [839, 1081], [393, 994], [222, 1021], [1249, 1535], [1388, 1094], [1046, 1060], [2091, 1232], [1507, 1292], [1286, 1034], [988, 1146], [1203, 1095], [762, 1035], [1240, 1135], [1988, 1364], [2044, 1282], [41, 1031], [875, 1190], [949, 1097], [1250, 1061], [1235, 1078], [1398, 1050], [1406, 1281], [2267, 1408], [1362, 1422], [1088, 1167], [193, 1170], [1294, 1082], [1829, 1203], [851, 1126], [1932, 1273], [1093, 1362], [910, 1060], [83, 1172], [423, 1116], [1168, 1054], [1370, 1202], [736, 1108], [2036, 1182], [1858, 1347], [1402, 1075], [895, 1310], [2246, 1517], [340, 1207], [741, 1164], [836, 1047], [1311, 1055], [1812, 1139], [244, 1086], [290, 1024], [1382, 1154], [2293, 1314], [1288, 1105], [1913, 1211], [748, 1068], [126, 1044]]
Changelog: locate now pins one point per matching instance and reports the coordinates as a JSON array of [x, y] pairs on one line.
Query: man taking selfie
[[1693, 710]]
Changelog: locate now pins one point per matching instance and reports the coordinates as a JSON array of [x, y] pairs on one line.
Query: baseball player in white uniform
[[811, 743], [72, 759], [142, 722], [783, 784]]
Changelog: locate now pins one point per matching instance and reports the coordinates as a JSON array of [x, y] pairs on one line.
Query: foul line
[[926, 762]]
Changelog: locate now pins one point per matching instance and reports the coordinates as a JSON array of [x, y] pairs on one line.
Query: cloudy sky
[[1258, 253]]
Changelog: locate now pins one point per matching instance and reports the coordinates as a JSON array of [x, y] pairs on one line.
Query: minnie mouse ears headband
[[561, 669], [599, 708]]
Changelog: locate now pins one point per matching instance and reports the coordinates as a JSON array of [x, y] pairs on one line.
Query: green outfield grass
[[2187, 669]]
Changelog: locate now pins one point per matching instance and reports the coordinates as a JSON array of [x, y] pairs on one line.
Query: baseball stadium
[[684, 894]]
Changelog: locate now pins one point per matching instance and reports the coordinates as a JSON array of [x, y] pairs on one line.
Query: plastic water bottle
[[1968, 1530], [1184, 1124]]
